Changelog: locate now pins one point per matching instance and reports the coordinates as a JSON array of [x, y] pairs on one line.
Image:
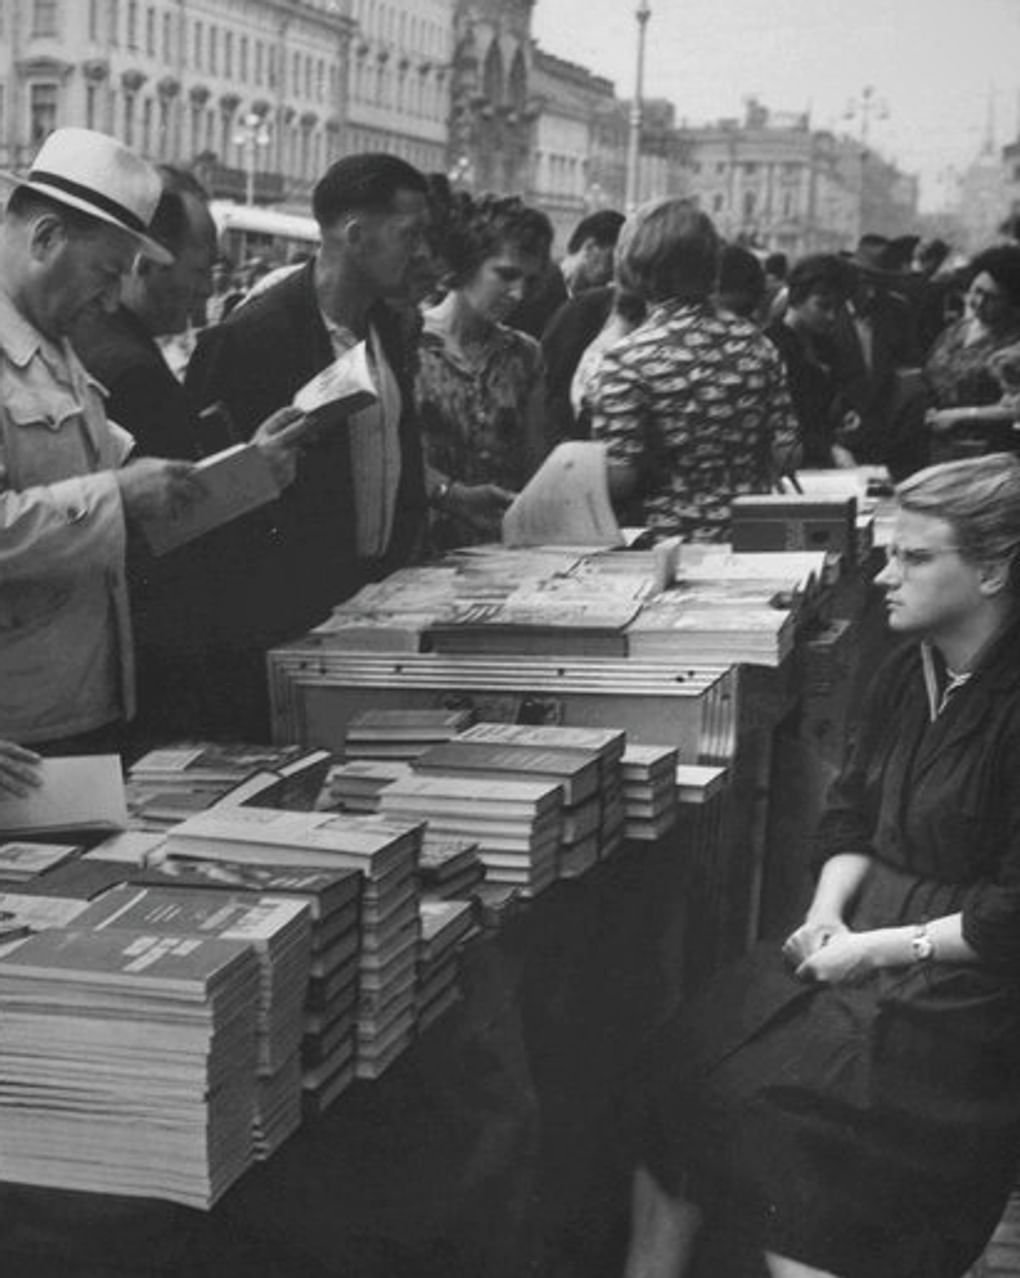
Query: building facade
[[252, 91], [772, 182], [566, 180], [400, 80]]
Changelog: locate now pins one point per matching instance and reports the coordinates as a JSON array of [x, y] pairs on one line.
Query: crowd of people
[[853, 1094]]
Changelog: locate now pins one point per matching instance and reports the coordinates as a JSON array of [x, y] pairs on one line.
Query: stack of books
[[649, 790], [607, 746], [576, 770], [389, 951], [697, 784], [517, 824], [401, 734], [128, 1063], [278, 931], [386, 853], [449, 868], [444, 926], [173, 783], [711, 627], [333, 898], [357, 785]]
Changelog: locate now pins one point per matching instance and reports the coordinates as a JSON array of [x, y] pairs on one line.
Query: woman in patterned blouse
[[957, 371], [480, 383], [692, 405]]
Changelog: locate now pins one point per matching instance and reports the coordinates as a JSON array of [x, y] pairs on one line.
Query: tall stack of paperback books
[[128, 1063], [390, 935], [649, 790], [593, 828], [517, 824], [444, 926], [333, 898], [278, 931], [488, 757], [400, 734], [385, 852]]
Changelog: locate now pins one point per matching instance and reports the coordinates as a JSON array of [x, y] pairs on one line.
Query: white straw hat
[[98, 175]]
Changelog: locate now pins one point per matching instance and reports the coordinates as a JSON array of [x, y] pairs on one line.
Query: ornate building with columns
[[254, 90], [493, 112]]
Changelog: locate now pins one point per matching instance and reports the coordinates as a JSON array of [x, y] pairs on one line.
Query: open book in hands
[[339, 390]]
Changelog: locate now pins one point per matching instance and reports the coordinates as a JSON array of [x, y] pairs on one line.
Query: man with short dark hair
[[587, 301], [357, 507], [181, 622], [70, 230]]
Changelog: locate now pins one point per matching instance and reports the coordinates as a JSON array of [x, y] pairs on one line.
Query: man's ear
[[47, 235]]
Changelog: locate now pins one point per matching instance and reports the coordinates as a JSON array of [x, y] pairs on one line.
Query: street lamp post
[[252, 133], [642, 14]]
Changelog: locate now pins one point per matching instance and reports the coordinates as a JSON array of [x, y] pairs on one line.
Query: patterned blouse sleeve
[[782, 420], [619, 404]]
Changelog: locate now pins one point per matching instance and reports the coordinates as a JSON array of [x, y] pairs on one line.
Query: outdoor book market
[[522, 803]]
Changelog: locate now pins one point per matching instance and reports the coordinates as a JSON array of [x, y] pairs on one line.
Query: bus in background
[[248, 231]]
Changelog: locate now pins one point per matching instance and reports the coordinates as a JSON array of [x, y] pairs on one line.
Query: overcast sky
[[934, 64]]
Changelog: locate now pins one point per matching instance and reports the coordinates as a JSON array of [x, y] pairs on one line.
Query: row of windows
[[750, 207], [210, 49], [429, 157], [379, 84], [788, 171], [148, 124], [392, 22], [561, 174]]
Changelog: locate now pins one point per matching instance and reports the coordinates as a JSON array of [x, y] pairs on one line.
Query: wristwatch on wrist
[[921, 944]]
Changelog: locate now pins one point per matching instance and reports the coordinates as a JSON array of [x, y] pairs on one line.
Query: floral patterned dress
[[475, 417]]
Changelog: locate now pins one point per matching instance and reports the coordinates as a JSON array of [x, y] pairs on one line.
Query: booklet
[[234, 481], [566, 502], [342, 388], [85, 792]]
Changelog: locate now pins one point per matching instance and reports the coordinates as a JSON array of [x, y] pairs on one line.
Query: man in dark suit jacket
[[875, 344], [183, 627], [348, 518]]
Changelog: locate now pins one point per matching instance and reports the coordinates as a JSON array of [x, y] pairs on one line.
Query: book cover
[[235, 481], [81, 793], [25, 860], [576, 771]]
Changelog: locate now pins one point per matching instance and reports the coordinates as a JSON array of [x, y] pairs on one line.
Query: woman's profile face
[[930, 588], [818, 312], [987, 302], [501, 282]]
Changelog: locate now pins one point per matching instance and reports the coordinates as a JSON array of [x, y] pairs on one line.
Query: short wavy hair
[[820, 273], [980, 498], [668, 249], [1002, 263], [477, 229]]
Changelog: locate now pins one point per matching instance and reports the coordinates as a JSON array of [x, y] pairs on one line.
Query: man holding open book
[[70, 229]]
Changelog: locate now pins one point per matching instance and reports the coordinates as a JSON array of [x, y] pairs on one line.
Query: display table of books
[[369, 1031]]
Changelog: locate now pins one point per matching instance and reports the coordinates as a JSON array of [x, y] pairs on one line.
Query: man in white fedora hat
[[71, 228]]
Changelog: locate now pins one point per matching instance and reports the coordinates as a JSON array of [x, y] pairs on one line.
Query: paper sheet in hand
[[344, 387], [566, 502], [80, 793], [235, 481]]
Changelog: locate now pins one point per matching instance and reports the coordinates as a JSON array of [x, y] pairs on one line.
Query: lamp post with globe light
[[642, 14], [252, 133]]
